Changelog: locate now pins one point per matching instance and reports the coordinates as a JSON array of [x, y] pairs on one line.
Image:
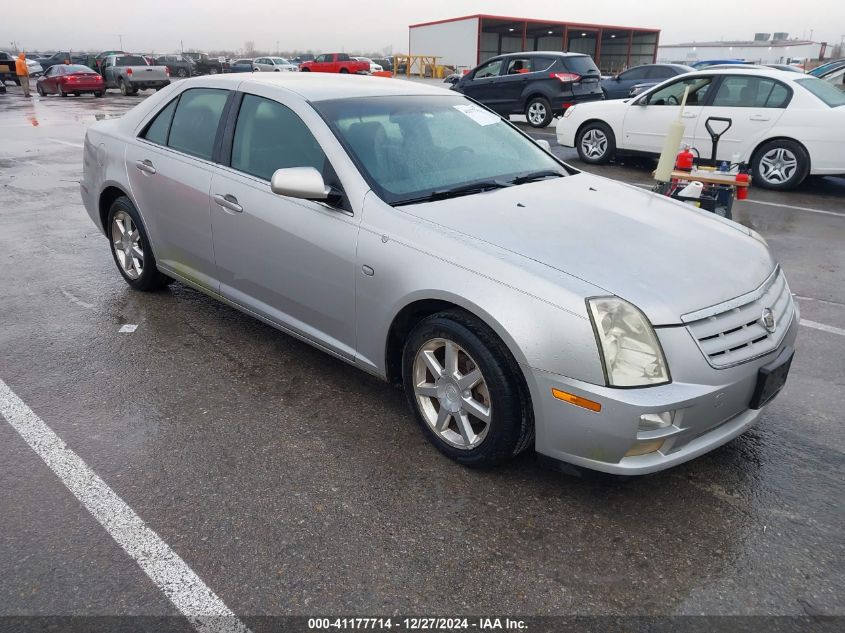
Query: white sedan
[[785, 125], [374, 68]]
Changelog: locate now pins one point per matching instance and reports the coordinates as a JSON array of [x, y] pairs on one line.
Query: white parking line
[[791, 206], [190, 595], [823, 327]]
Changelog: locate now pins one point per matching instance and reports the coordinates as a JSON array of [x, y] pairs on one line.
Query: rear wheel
[[40, 90], [130, 247], [466, 390], [344, 71], [182, 72], [305, 70], [595, 143], [124, 89], [98, 94], [538, 111], [780, 164]]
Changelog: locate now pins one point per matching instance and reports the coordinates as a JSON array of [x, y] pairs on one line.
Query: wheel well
[[782, 138], [534, 95], [401, 327], [107, 198]]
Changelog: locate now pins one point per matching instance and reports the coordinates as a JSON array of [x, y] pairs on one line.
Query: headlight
[[568, 111], [629, 346]]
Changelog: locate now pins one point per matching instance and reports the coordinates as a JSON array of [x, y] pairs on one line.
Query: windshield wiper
[[535, 175], [455, 192]]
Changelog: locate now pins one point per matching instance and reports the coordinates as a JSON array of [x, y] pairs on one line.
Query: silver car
[[416, 235], [274, 64]]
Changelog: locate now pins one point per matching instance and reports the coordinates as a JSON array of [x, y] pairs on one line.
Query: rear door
[[482, 84], [754, 104], [647, 118], [170, 168], [517, 71]]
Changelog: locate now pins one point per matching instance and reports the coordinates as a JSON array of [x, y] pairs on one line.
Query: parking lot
[[292, 484]]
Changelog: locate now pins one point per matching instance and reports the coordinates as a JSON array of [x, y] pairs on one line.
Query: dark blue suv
[[540, 85]]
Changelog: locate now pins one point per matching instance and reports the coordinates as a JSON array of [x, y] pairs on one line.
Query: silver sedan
[[427, 241]]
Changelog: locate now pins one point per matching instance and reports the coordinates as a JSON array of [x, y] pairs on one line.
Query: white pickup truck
[[132, 73]]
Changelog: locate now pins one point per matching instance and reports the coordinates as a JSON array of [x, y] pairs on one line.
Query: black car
[[177, 64], [647, 75], [540, 85], [384, 62], [205, 65]]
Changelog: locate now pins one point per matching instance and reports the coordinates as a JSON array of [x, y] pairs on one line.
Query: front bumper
[[711, 408]]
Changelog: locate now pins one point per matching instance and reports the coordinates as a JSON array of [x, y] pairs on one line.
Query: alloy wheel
[[128, 249], [451, 393], [536, 113], [778, 165], [594, 143]]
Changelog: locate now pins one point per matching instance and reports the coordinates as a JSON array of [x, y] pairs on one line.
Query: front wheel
[[780, 165], [40, 90], [466, 391], [305, 70], [595, 143], [130, 247], [98, 94], [538, 111], [212, 71]]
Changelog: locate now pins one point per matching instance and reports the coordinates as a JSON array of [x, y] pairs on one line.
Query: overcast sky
[[355, 25]]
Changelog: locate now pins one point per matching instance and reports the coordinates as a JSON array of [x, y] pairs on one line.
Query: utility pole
[[182, 46], [121, 40], [277, 48]]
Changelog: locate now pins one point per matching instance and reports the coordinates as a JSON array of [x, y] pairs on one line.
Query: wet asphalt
[[292, 483]]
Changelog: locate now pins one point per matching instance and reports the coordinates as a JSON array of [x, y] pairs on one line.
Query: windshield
[[825, 91], [280, 60], [410, 147]]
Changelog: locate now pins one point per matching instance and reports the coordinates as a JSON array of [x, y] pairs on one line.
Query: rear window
[[77, 68], [130, 60], [194, 126], [825, 91], [581, 64]]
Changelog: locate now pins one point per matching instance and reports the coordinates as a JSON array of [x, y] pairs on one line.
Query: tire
[[141, 273], [780, 165], [595, 143], [98, 94], [212, 71], [344, 71], [75, 94], [182, 72], [538, 111], [505, 424], [124, 90], [305, 70], [40, 90]]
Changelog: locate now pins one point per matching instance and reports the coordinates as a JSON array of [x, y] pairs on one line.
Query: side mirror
[[299, 182], [544, 144]]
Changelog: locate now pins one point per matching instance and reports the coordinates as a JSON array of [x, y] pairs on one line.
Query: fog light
[[645, 447], [654, 421]]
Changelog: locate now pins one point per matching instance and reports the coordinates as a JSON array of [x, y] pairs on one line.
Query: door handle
[[145, 166], [758, 117], [229, 202], [689, 115]]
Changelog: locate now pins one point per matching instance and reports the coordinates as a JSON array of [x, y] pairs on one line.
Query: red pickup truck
[[335, 63]]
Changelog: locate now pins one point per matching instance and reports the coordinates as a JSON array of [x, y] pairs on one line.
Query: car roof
[[783, 75], [322, 86], [539, 53]]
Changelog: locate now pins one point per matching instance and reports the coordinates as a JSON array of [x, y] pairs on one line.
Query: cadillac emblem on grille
[[768, 320]]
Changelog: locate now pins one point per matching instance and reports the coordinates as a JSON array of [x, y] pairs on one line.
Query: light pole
[[120, 37], [277, 48]]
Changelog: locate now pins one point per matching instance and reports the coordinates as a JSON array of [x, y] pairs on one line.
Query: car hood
[[665, 257]]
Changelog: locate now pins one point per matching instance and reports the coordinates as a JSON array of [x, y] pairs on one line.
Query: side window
[[490, 69], [635, 74], [342, 57], [195, 121], [270, 136], [157, 130], [518, 66], [320, 58], [673, 94], [540, 64], [660, 72], [750, 92]]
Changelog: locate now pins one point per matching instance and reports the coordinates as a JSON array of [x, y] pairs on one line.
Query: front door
[[170, 170], [289, 260], [482, 84], [647, 119]]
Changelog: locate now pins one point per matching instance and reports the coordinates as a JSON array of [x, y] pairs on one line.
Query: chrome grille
[[733, 332]]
